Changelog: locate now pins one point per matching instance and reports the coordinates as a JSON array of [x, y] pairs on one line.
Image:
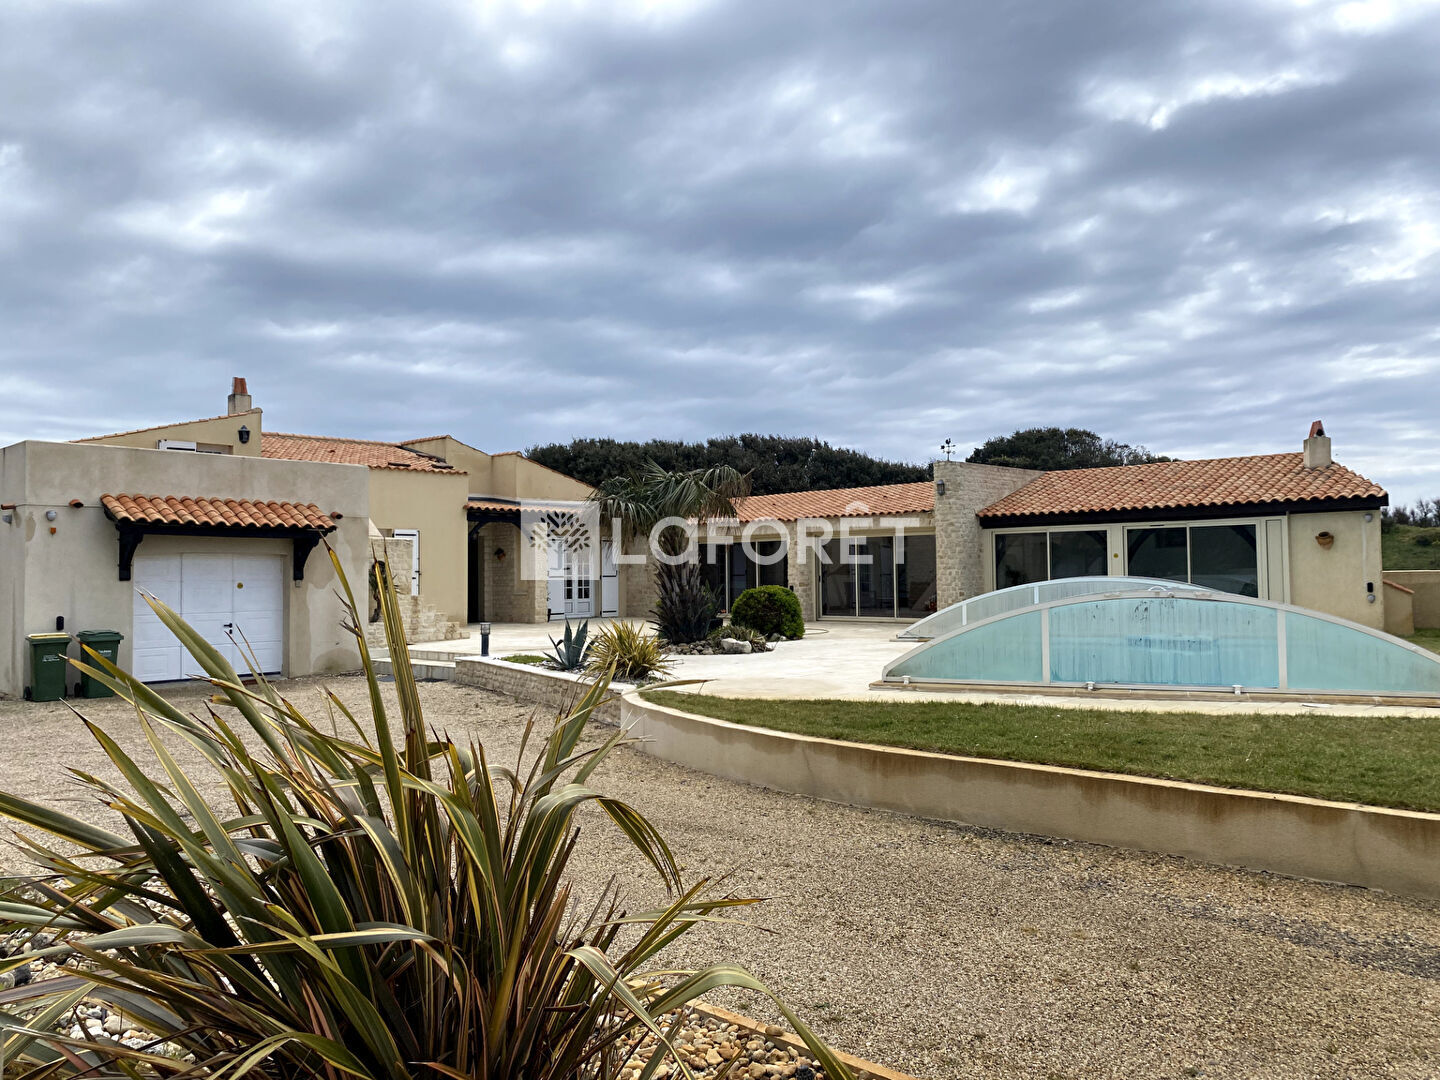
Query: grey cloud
[[1194, 226]]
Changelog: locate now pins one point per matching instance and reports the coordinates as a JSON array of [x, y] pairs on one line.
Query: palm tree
[[684, 605]]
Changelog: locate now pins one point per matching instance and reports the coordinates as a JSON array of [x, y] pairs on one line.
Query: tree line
[[778, 463]]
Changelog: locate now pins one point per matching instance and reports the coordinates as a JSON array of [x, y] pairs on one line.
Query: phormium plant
[[390, 905]]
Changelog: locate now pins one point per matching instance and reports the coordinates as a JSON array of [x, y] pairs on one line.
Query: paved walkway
[[840, 658]]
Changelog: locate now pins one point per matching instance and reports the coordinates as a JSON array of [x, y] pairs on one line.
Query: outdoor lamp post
[[484, 639]]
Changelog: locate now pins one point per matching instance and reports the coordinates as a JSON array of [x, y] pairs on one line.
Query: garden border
[[1374, 847]]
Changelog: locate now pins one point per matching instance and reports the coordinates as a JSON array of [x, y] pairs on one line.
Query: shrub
[[769, 609], [368, 909], [627, 652], [685, 606], [570, 652]]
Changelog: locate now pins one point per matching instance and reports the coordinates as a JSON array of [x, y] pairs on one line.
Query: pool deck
[[840, 659]]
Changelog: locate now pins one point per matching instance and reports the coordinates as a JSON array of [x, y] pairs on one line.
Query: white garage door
[[217, 595]]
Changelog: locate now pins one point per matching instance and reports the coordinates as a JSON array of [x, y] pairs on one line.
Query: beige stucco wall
[[960, 543], [506, 476], [433, 504], [1333, 580], [221, 431], [72, 572], [1426, 601], [1398, 850]]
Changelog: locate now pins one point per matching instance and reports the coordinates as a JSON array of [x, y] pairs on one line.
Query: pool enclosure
[[1170, 638], [988, 605]]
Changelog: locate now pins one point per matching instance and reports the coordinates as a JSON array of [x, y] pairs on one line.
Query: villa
[[221, 519]]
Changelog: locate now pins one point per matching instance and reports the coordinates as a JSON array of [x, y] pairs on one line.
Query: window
[[875, 577], [1026, 557], [1221, 557], [729, 570], [1020, 558], [1158, 553]]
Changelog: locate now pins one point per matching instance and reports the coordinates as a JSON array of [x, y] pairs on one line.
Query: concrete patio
[[839, 659]]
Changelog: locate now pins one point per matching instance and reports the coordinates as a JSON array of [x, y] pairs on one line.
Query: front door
[[571, 587]]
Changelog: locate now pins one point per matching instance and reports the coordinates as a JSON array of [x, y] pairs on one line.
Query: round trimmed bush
[[769, 609]]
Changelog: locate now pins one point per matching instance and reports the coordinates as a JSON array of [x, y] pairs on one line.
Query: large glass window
[[875, 577], [1078, 554], [1220, 557], [915, 595], [1223, 557], [1020, 558], [837, 579], [1158, 553], [881, 580]]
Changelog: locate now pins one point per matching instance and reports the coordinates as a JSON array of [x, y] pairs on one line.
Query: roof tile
[[1163, 485], [839, 502], [232, 513], [376, 455]]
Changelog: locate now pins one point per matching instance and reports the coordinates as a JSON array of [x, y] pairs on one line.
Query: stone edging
[[1376, 847], [859, 1067], [554, 689]]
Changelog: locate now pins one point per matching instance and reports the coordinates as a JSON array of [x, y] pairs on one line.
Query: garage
[[236, 602]]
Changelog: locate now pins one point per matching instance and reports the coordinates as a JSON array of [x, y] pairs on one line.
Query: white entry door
[[218, 595], [413, 535], [571, 587]]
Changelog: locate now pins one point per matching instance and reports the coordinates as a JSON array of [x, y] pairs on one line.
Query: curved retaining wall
[[1397, 850]]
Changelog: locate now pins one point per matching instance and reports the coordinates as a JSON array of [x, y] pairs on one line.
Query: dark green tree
[[1051, 448], [774, 463]]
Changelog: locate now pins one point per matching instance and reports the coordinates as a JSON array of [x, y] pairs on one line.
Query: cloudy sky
[[1197, 226]]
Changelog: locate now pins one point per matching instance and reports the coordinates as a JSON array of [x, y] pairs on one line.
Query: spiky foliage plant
[[572, 650], [624, 650], [385, 908], [656, 497]]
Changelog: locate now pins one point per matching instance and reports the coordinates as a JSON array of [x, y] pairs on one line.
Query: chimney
[[1317, 447], [239, 399]]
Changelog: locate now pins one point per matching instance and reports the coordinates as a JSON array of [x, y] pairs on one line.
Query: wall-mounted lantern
[[244, 434], [499, 554], [939, 487]]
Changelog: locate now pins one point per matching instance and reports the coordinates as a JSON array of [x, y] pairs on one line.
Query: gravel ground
[[949, 951]]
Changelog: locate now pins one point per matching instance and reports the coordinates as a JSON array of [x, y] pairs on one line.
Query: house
[[1296, 527], [220, 518]]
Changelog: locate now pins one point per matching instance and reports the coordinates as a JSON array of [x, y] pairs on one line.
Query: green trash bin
[[107, 644], [47, 666]]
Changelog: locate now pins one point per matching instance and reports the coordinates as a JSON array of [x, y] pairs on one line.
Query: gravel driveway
[[957, 952]]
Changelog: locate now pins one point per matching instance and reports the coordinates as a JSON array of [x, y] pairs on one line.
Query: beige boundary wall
[[1396, 850], [1426, 598]]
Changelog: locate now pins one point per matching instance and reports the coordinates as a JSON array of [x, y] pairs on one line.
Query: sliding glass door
[[876, 577]]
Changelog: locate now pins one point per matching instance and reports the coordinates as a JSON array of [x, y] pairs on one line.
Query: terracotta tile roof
[[481, 503], [377, 455], [235, 513], [161, 427], [839, 502], [1219, 482]]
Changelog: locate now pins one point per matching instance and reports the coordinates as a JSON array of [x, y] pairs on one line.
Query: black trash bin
[[107, 644], [47, 666]]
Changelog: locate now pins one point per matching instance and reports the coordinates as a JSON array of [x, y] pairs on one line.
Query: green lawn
[[1383, 761], [1426, 639], [1403, 548]]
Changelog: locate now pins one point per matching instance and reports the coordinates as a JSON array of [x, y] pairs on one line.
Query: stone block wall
[[556, 690], [507, 597], [959, 551], [423, 621]]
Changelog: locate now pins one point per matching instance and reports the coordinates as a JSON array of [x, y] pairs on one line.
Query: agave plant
[[571, 650], [363, 909]]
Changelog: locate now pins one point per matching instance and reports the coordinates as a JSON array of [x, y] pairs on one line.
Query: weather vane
[[947, 448]]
